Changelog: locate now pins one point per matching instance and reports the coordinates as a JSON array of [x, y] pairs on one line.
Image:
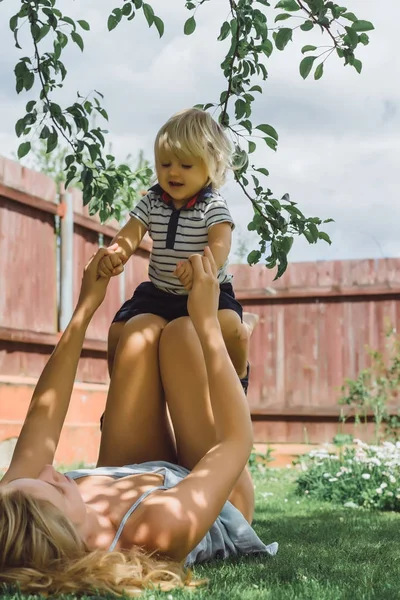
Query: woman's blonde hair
[[194, 132], [41, 552]]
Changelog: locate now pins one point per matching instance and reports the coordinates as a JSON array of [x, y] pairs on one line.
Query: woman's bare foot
[[250, 320]]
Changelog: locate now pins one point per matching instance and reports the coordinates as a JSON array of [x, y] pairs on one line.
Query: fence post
[[67, 261]]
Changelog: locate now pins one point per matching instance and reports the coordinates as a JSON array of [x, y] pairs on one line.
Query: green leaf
[[286, 244], [352, 37], [282, 38], [307, 25], [14, 22], [240, 108], [112, 22], [127, 9], [69, 21], [271, 143], [350, 16], [275, 203], [189, 26], [69, 160], [362, 26], [149, 14], [357, 64], [256, 88], [308, 49], [30, 105], [52, 141], [268, 130], [94, 151], [263, 171], [288, 5], [306, 66], [308, 237], [84, 24], [159, 25], [364, 39], [20, 127], [35, 31], [29, 80], [44, 134], [254, 257], [77, 39], [23, 149], [313, 229], [43, 32], [324, 236], [282, 265], [319, 71], [282, 17], [16, 40], [225, 31], [252, 146]]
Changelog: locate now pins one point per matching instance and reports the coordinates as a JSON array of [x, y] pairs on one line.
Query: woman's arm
[[41, 431], [192, 506]]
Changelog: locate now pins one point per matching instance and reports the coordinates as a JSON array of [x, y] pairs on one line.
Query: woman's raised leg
[[184, 379], [136, 427]]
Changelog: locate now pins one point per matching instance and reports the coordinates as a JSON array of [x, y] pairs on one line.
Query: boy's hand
[[184, 272], [110, 265]]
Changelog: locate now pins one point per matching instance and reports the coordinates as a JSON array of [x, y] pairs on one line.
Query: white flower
[[366, 476], [378, 491], [326, 475], [332, 479], [383, 485], [392, 479], [350, 505]]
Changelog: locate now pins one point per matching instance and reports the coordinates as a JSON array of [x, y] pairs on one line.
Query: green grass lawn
[[326, 553]]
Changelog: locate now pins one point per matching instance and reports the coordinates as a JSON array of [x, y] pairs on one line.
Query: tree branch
[[326, 27]]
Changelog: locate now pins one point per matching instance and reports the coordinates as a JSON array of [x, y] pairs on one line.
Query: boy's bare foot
[[250, 320]]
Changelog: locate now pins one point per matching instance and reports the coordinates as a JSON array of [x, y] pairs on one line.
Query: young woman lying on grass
[[95, 529]]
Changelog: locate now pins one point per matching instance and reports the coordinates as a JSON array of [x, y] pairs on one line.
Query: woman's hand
[[94, 287], [204, 295]]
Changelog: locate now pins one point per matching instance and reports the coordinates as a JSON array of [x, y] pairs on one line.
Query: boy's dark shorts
[[150, 299]]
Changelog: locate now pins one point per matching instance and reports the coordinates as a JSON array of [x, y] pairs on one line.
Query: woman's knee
[[177, 331], [143, 329]]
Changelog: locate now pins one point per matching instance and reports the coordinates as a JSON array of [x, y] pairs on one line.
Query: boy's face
[[181, 177]]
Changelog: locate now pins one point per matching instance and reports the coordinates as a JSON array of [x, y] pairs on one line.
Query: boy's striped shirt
[[177, 234]]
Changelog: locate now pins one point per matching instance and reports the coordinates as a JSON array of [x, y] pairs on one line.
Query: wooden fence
[[315, 322]]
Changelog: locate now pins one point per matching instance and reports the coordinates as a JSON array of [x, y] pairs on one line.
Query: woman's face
[[57, 489]]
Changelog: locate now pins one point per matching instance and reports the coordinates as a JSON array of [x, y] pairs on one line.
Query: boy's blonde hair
[[42, 553], [194, 132]]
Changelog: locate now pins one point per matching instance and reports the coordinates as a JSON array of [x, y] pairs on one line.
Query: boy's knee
[[233, 330]]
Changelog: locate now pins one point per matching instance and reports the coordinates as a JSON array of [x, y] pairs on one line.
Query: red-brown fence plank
[[27, 268]]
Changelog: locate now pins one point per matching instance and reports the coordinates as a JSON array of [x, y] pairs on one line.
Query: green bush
[[358, 476]]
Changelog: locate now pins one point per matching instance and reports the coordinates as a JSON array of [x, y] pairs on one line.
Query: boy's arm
[[129, 238], [219, 241]]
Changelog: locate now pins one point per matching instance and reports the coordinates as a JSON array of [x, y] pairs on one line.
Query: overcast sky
[[339, 145]]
